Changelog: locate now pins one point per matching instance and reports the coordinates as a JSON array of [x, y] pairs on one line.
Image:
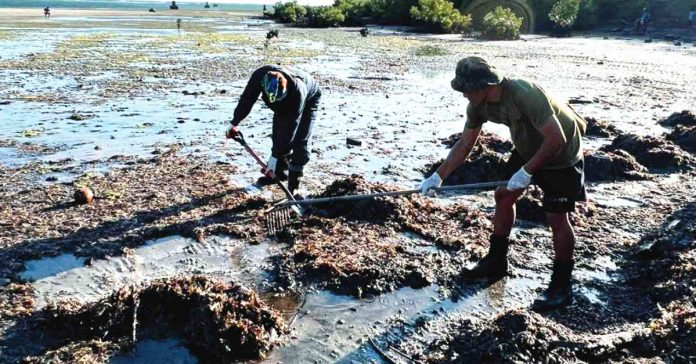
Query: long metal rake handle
[[470, 186], [239, 138]]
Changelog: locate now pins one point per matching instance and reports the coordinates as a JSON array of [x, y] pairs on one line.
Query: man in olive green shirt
[[547, 136]]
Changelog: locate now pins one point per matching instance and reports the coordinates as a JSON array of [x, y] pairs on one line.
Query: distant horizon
[[139, 3]]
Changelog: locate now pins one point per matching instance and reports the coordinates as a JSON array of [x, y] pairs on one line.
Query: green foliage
[[392, 11], [289, 12], [353, 10], [325, 16], [440, 16], [501, 23], [564, 12], [587, 16]]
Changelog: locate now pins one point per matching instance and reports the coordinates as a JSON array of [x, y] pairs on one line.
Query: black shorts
[[562, 187]]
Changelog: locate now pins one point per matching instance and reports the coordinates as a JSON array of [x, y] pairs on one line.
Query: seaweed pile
[[650, 315], [218, 322], [359, 248], [91, 351], [653, 152], [485, 163], [523, 336], [685, 137], [600, 128], [490, 140], [684, 118], [613, 166]]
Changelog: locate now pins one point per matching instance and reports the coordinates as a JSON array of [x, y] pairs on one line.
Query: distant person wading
[[293, 96]]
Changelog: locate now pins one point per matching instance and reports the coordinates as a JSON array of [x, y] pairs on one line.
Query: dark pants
[[298, 154], [562, 187]]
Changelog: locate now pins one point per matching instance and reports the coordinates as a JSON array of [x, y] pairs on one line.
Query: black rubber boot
[[495, 264], [294, 180], [560, 291]]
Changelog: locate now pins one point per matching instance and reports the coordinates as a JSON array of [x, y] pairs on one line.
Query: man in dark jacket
[[293, 95]]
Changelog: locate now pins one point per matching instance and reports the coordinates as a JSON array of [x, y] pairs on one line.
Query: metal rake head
[[279, 217]]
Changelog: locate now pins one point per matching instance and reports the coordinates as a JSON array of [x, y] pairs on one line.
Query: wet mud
[[653, 152], [150, 198], [216, 321]]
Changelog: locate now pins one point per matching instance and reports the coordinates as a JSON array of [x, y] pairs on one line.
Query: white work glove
[[433, 181], [520, 180], [269, 171], [232, 131]]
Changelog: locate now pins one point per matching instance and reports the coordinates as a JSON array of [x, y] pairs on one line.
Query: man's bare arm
[[554, 140], [460, 151]]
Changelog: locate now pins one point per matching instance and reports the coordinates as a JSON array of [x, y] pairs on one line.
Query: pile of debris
[[600, 128], [217, 322], [485, 163], [364, 248], [613, 166], [684, 118], [653, 152]]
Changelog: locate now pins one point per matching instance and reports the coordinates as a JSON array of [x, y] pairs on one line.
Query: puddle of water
[[328, 327], [333, 328], [169, 351], [65, 277], [37, 270], [617, 202], [593, 295]]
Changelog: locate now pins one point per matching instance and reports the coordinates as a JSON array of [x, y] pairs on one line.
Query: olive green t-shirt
[[525, 107]]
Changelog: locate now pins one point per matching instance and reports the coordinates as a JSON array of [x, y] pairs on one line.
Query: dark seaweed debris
[[600, 128], [485, 163], [612, 166], [489, 140], [684, 118], [359, 248], [653, 152], [218, 322], [684, 137]]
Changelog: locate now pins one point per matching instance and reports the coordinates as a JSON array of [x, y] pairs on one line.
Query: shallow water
[[326, 327]]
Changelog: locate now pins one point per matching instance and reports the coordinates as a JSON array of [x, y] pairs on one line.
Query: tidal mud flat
[[135, 110]]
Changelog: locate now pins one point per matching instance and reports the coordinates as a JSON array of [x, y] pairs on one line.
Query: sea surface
[[127, 5]]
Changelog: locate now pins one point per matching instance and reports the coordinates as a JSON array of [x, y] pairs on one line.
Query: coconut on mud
[[218, 322], [653, 152]]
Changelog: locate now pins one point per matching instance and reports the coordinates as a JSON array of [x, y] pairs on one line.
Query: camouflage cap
[[473, 74]]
